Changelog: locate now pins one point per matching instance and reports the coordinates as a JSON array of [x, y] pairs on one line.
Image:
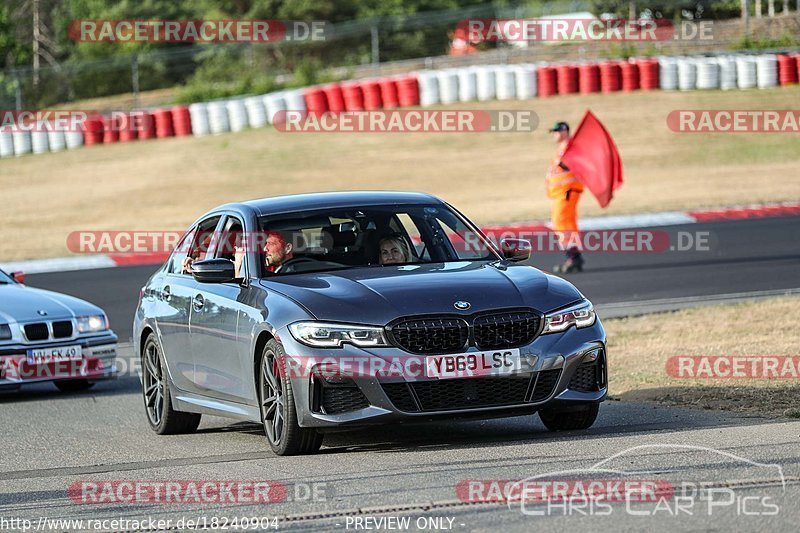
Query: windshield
[[378, 236]]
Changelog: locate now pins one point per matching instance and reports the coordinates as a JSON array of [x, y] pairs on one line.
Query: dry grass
[[639, 348], [491, 177]]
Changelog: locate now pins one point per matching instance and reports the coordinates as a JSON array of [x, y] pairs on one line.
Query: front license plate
[[56, 353], [473, 364]]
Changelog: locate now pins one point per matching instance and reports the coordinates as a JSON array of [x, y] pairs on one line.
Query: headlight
[[5, 332], [581, 316], [324, 335], [88, 324]]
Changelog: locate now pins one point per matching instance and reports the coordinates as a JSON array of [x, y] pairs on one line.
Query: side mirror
[[516, 250], [18, 276], [213, 271]]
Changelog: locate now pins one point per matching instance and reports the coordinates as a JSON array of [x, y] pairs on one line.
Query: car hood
[[19, 303], [379, 295]]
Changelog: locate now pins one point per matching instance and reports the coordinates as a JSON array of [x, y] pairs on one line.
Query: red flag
[[593, 157]]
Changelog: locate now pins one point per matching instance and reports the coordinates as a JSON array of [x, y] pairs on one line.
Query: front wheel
[[278, 410], [569, 417], [163, 419]]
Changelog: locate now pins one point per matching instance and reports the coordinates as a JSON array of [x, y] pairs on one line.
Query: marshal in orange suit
[[564, 190]]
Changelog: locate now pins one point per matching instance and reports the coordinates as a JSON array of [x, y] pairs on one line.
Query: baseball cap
[[560, 126]]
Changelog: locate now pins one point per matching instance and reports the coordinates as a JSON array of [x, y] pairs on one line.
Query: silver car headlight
[[5, 332], [581, 315], [92, 323], [327, 335]]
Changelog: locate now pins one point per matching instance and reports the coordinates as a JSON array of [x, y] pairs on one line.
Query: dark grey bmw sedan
[[311, 312]]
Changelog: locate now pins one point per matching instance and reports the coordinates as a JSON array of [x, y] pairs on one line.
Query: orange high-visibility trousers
[[564, 219]]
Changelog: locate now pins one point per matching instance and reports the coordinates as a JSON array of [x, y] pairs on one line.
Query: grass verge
[[639, 348]]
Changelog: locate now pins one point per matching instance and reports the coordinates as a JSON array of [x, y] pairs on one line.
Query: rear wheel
[[278, 410], [163, 419], [569, 417], [74, 385]]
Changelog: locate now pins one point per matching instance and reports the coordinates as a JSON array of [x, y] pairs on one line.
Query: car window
[[231, 240], [351, 237], [203, 239], [179, 253]]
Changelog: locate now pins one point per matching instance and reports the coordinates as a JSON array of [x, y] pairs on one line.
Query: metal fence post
[[135, 79], [376, 51], [17, 90]]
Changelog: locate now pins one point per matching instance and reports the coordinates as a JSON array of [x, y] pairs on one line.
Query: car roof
[[332, 200]]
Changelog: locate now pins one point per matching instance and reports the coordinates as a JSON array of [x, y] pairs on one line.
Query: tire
[[74, 385], [163, 419], [278, 409], [570, 417]]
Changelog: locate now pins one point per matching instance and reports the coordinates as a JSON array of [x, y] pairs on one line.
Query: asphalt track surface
[[750, 465], [743, 255]]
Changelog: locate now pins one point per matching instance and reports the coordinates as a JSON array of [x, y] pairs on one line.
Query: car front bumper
[[98, 362], [556, 368]]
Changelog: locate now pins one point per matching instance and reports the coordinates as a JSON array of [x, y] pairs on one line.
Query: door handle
[[166, 293], [198, 302]]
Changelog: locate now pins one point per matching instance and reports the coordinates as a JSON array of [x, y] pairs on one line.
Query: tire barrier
[[610, 77], [110, 130], [708, 75], [295, 99], [316, 101], [687, 74], [467, 84], [629, 73], [567, 79], [389, 95], [448, 86], [6, 142], [588, 78], [256, 112], [39, 141], [163, 121], [727, 72], [745, 72], [333, 93], [147, 126], [425, 88], [428, 88], [505, 83], [181, 120], [353, 96], [93, 131], [199, 116], [487, 87], [408, 91], [73, 139], [218, 117], [237, 114], [22, 142], [787, 69], [668, 74], [648, 74], [547, 81], [275, 103], [766, 71], [526, 81], [57, 140]]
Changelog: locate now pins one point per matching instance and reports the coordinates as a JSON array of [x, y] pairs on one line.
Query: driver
[[277, 251]]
